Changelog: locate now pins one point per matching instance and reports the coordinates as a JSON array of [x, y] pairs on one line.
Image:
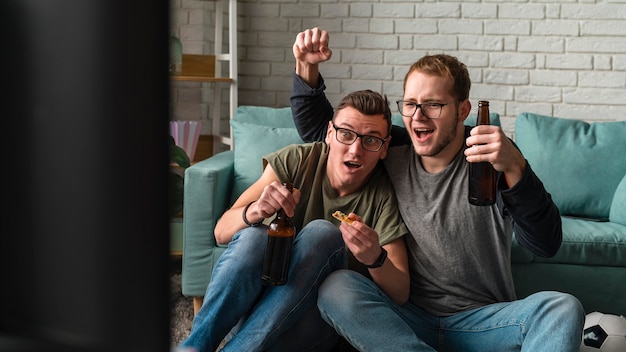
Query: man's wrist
[[379, 261], [245, 218], [309, 73]]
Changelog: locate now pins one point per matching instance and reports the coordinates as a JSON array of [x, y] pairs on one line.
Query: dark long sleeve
[[536, 219], [311, 112]]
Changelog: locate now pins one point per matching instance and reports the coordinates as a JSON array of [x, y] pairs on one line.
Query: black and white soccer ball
[[604, 332]]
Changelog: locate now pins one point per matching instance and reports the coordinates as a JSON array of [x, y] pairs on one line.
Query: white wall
[[559, 58]]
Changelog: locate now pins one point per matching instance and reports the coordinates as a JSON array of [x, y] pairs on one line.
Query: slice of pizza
[[342, 217]]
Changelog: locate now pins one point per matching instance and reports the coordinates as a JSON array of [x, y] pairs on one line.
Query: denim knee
[[335, 293]]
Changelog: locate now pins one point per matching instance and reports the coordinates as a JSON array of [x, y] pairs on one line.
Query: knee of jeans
[[250, 237], [561, 303], [333, 294], [323, 232]]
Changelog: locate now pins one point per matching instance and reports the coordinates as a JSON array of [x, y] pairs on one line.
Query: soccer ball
[[604, 332]]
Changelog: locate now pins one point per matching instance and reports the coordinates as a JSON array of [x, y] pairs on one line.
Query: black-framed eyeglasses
[[348, 137], [430, 110]]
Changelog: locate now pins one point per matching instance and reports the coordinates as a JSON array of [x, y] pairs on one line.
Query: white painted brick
[[619, 62], [306, 9], [372, 72], [569, 61], [381, 26], [276, 40], [394, 91], [190, 95], [400, 10], [541, 44], [516, 108], [264, 24], [252, 10], [332, 25], [336, 71], [473, 59], [405, 42], [589, 28], [553, 11], [255, 68], [376, 41], [590, 113], [510, 43], [521, 54], [479, 10], [416, 26], [356, 25], [264, 54], [403, 57], [361, 10], [595, 45], [438, 10], [357, 84], [274, 84], [435, 43], [519, 11], [490, 92], [362, 57], [538, 94], [510, 60], [602, 80], [459, 26], [249, 83], [201, 17], [504, 27], [593, 11], [481, 43], [506, 77], [555, 78], [555, 28], [335, 11], [284, 69], [595, 96], [602, 62]]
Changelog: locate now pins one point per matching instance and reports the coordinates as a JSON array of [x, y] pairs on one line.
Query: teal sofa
[[583, 166], [592, 267]]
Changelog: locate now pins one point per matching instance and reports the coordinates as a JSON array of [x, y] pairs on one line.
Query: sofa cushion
[[252, 141], [579, 163], [265, 116], [590, 243], [618, 207]]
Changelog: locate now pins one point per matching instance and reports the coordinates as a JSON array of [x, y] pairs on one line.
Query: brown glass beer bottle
[[482, 176], [280, 235]]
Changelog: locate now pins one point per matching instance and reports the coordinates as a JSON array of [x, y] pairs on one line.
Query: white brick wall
[[561, 58]]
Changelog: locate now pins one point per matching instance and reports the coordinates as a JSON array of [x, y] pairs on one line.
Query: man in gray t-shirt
[[462, 292]]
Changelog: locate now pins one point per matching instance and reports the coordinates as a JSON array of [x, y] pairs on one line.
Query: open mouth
[[423, 133], [352, 165]]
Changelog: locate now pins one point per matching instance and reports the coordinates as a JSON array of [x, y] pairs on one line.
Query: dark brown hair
[[368, 103]]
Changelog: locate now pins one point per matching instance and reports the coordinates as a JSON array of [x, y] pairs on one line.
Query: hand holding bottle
[[280, 235], [275, 196]]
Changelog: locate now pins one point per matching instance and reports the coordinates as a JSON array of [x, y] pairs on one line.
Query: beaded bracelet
[[243, 216]]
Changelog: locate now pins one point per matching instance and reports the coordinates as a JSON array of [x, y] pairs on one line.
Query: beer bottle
[[482, 175], [280, 235]]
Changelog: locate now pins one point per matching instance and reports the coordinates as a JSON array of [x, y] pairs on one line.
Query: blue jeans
[[367, 318], [271, 318]]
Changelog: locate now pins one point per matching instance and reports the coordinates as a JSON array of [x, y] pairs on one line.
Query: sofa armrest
[[207, 190]]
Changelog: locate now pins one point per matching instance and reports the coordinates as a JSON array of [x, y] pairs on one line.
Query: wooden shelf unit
[[209, 68]]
